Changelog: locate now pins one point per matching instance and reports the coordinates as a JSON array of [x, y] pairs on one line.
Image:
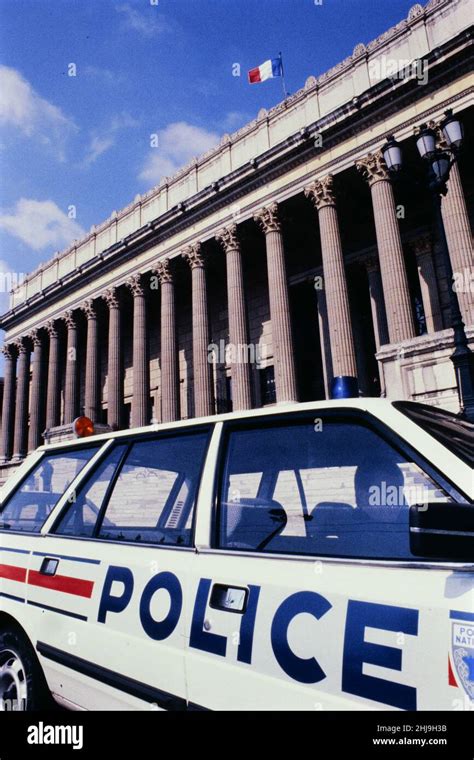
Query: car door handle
[[49, 566], [229, 598]]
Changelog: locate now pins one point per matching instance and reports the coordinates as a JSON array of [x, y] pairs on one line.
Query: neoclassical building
[[280, 259]]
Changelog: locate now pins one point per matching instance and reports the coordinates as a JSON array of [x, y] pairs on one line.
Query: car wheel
[[22, 683]]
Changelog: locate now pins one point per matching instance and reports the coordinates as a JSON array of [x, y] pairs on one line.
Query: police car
[[316, 556]]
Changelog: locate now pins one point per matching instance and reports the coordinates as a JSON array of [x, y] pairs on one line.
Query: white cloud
[[235, 119], [40, 224], [177, 144], [98, 145], [21, 107], [102, 140], [148, 25]]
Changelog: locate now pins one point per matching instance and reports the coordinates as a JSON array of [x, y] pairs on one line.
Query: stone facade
[[278, 260]]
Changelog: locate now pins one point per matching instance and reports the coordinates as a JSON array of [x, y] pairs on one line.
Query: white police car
[[315, 556]]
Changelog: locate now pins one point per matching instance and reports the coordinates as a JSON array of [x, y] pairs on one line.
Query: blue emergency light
[[344, 386]]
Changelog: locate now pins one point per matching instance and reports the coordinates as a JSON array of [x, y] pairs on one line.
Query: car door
[[125, 535], [306, 595], [27, 501]]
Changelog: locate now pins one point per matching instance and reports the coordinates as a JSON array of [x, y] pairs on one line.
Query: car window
[[339, 490], [32, 502], [80, 517], [154, 495], [450, 429]]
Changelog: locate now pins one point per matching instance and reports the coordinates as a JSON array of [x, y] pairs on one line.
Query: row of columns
[[388, 285]]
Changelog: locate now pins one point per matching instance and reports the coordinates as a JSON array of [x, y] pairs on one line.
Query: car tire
[[22, 683]]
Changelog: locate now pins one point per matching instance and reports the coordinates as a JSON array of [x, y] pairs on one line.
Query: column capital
[[36, 338], [194, 255], [135, 284], [422, 246], [70, 319], [373, 168], [228, 238], [51, 328], [89, 309], [111, 298], [23, 345], [267, 219], [9, 350], [163, 271], [321, 192]]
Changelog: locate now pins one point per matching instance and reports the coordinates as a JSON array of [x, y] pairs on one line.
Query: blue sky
[[142, 67]]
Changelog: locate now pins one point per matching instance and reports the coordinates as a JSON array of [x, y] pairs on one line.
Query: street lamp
[[392, 154], [452, 130], [426, 142], [439, 162]]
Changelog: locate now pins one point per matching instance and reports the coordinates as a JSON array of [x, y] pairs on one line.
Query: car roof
[[362, 404]]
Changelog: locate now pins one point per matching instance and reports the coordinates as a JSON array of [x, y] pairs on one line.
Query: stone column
[[141, 374], [8, 408], [321, 193], [114, 371], [70, 384], [169, 349], [377, 305], [428, 283], [283, 351], [37, 398], [458, 235], [201, 366], [53, 403], [20, 438], [392, 265], [238, 332], [92, 396]]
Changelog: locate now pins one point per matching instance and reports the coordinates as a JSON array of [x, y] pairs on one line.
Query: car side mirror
[[442, 530]]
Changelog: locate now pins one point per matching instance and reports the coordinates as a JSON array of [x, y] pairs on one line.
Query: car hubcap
[[13, 686]]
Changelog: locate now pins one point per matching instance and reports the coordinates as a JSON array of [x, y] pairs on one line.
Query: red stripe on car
[[13, 573], [64, 583]]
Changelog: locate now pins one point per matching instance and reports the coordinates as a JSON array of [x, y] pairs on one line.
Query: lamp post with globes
[[439, 162]]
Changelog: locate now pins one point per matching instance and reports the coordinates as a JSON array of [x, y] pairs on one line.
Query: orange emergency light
[[83, 427]]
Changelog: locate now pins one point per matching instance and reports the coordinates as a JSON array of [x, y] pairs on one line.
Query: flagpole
[[285, 93]]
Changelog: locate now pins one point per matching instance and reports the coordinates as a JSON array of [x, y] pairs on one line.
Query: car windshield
[[31, 503], [448, 428]]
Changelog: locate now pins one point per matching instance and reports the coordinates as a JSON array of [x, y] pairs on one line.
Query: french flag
[[268, 70]]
